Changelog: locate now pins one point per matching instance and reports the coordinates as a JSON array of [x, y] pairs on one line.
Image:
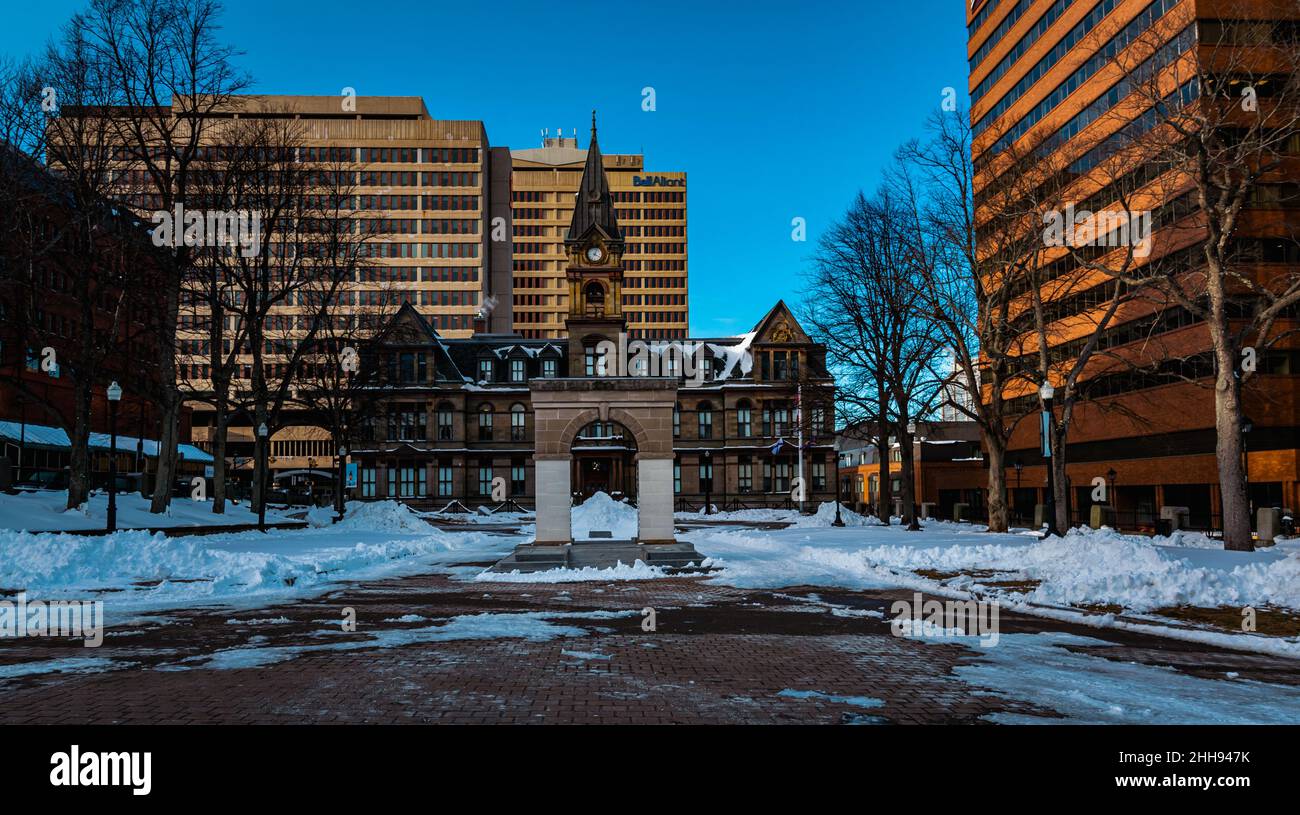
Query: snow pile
[[133, 571], [1086, 567], [825, 516], [636, 571], [601, 512], [383, 516], [46, 511]]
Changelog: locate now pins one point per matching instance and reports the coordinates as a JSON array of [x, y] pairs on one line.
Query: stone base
[[679, 556]]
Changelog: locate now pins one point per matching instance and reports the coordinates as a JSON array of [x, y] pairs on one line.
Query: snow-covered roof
[[46, 436]]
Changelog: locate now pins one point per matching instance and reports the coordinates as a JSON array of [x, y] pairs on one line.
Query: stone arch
[[582, 418]]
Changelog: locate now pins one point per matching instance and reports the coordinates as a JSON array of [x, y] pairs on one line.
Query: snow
[[45, 510], [601, 512], [1046, 669], [1086, 567], [623, 571], [134, 571]]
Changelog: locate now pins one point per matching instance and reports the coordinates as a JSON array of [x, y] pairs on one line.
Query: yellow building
[[652, 214]]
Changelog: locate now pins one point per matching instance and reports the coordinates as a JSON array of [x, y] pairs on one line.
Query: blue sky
[[776, 110]]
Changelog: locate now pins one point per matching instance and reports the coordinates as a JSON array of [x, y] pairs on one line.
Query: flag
[[776, 448]]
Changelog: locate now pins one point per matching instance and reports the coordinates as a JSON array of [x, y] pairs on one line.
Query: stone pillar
[[654, 500], [553, 521]]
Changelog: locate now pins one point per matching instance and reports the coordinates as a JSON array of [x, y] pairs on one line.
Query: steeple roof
[[594, 206]]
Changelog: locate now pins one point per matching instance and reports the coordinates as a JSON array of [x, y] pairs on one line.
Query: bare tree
[[979, 260], [1221, 121], [169, 73]]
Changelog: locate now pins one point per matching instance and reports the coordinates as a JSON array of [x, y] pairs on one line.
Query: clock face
[[595, 253]]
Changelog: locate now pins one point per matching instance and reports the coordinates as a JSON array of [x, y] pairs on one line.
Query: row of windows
[[410, 178]]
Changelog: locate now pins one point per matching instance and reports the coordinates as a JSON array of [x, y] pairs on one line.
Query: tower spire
[[594, 207]]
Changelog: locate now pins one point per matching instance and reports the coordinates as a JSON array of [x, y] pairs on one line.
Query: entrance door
[[595, 475]]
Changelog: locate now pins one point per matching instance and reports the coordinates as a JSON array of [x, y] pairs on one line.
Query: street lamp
[[114, 396], [1111, 475], [708, 485], [338, 496], [913, 525], [838, 520], [1048, 425], [261, 482]]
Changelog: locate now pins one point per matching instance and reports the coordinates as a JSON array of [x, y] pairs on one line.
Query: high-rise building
[[1064, 87], [652, 211]]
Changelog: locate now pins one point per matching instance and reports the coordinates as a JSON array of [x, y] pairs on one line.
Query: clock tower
[[594, 245]]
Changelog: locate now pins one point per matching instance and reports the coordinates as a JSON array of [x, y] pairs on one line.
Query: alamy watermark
[[83, 619], [1071, 227], [212, 227], [679, 358], [946, 618]]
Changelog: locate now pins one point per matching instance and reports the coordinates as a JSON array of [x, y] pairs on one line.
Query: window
[[367, 482], [518, 421], [745, 474], [776, 420], [412, 367], [518, 477], [706, 475], [677, 421], [485, 370], [594, 361], [444, 481], [819, 475], [392, 481], [744, 419], [485, 423], [704, 420], [677, 477], [485, 477], [776, 475], [406, 422], [518, 370], [444, 421], [412, 481], [818, 419], [548, 367]]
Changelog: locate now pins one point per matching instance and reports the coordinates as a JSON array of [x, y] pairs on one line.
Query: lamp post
[[912, 525], [1111, 475], [1246, 426], [708, 485], [114, 396], [261, 482], [338, 497], [1048, 424], [838, 520]]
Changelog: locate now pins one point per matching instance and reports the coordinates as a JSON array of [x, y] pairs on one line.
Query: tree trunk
[[999, 513], [907, 453], [883, 493], [79, 463], [219, 461], [1228, 452], [165, 463], [1059, 485]]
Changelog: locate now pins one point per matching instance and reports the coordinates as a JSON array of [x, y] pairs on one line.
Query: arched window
[[485, 422], [444, 414], [518, 422], [704, 420], [594, 297]]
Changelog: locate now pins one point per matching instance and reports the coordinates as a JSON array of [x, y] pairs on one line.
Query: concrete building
[[1046, 80], [652, 214]]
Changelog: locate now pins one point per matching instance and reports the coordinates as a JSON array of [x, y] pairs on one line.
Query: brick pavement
[[719, 655]]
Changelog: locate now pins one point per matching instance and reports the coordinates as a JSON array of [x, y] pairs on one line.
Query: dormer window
[[518, 370], [485, 370], [548, 367]]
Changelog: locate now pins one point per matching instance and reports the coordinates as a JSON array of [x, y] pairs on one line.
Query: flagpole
[[798, 418]]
